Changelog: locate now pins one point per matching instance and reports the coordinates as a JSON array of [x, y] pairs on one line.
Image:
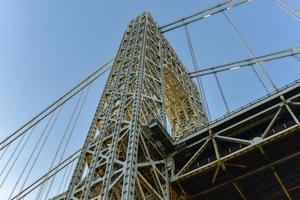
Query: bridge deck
[[251, 154]]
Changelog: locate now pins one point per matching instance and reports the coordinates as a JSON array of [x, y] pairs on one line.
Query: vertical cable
[[250, 51], [222, 93], [196, 68], [12, 155], [18, 155], [60, 146], [296, 57], [33, 151], [63, 178], [68, 176], [288, 9], [38, 154], [3, 153], [71, 133], [31, 155]]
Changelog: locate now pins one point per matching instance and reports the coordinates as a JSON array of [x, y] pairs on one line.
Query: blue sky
[[46, 47]]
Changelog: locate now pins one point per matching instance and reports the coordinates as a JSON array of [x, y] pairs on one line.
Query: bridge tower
[[148, 89]]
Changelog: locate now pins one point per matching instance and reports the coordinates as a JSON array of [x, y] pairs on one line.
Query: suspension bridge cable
[[222, 93], [239, 36], [247, 62], [3, 153], [196, 68], [40, 191], [68, 133], [176, 25], [16, 158], [288, 9], [295, 55], [71, 133], [250, 51], [12, 155], [39, 151], [195, 14], [68, 177], [54, 106], [63, 178], [31, 155], [49, 174]]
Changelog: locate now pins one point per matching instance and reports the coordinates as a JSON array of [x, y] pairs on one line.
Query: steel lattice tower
[[147, 82]]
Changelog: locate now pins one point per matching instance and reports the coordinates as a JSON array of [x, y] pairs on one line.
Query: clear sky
[[46, 47]]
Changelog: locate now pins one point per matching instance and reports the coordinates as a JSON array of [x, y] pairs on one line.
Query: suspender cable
[[38, 154], [222, 93], [12, 155], [68, 177], [60, 145], [32, 153], [3, 153], [288, 9], [196, 68], [78, 109], [63, 179], [49, 174], [16, 158], [54, 106], [71, 133], [251, 53]]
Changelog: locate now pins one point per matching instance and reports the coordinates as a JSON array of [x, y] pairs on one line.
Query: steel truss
[[147, 80], [128, 155], [257, 140]]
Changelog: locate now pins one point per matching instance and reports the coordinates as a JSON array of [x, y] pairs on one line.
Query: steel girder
[[259, 139]]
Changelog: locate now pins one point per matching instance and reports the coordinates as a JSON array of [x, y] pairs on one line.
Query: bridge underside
[[251, 154]]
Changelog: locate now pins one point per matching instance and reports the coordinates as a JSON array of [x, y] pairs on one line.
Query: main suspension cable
[[198, 16], [11, 156], [3, 153], [49, 174], [72, 131], [16, 158], [295, 56], [31, 154], [60, 145], [54, 106], [39, 151], [247, 62], [80, 108], [195, 14]]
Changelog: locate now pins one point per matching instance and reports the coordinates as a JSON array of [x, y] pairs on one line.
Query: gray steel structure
[[147, 81], [252, 153]]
